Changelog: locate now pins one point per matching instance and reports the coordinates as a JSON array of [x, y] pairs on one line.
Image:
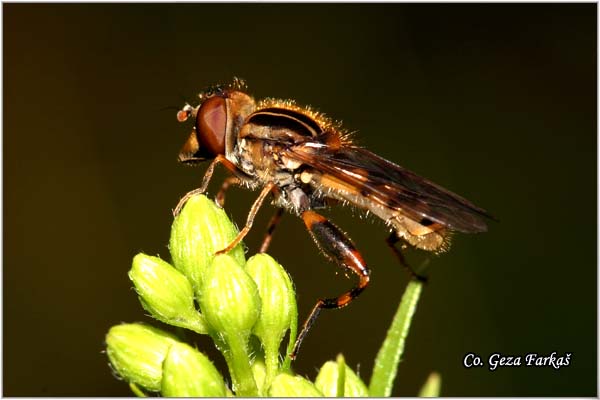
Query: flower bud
[[165, 292], [137, 351], [198, 232], [189, 373], [277, 297], [229, 299], [285, 385], [327, 381], [278, 307], [432, 386]]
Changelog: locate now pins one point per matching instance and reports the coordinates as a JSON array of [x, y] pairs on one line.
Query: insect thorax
[[262, 160]]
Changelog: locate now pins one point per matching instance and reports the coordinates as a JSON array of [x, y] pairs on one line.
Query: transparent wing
[[393, 186]]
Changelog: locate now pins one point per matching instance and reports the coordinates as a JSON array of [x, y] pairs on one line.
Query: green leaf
[[386, 362]]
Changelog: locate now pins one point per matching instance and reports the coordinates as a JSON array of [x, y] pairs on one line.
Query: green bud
[[229, 300], [231, 305], [137, 352], [198, 232], [277, 297], [327, 381], [165, 292], [278, 307], [432, 386], [189, 373], [285, 385]]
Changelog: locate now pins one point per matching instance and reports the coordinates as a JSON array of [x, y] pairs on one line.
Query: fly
[[306, 162]]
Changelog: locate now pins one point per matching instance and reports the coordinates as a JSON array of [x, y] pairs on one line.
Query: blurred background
[[496, 102]]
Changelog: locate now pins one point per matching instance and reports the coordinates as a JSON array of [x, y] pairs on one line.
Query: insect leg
[[391, 242], [232, 180], [270, 230], [220, 159], [338, 248], [250, 220]]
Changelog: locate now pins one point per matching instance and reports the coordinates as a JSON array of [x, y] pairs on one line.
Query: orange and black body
[[306, 161]]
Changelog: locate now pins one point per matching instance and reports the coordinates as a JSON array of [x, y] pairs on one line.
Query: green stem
[[271, 364], [238, 361], [136, 390], [341, 381], [386, 362]]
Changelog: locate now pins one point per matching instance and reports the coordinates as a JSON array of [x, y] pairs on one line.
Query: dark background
[[495, 102]]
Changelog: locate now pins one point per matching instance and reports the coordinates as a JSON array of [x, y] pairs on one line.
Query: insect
[[308, 162]]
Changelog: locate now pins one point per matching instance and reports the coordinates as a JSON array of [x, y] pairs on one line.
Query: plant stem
[[136, 390], [271, 367], [238, 361], [341, 381]]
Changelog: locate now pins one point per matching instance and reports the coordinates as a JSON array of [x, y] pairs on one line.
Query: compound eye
[[211, 123]]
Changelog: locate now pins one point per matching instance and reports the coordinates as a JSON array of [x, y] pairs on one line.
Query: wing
[[392, 186]]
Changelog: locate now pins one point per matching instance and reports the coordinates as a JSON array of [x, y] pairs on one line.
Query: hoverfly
[[307, 161]]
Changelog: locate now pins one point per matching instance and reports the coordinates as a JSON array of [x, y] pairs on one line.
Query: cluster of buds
[[226, 297]]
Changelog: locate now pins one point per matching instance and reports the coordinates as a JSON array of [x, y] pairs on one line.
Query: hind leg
[[391, 241], [337, 247]]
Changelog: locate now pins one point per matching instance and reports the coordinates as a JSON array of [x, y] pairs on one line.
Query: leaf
[[386, 362]]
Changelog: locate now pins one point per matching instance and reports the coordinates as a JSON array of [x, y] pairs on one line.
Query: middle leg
[[250, 220], [271, 230], [229, 181]]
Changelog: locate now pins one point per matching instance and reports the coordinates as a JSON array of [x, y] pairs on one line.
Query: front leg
[[220, 159], [337, 247]]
